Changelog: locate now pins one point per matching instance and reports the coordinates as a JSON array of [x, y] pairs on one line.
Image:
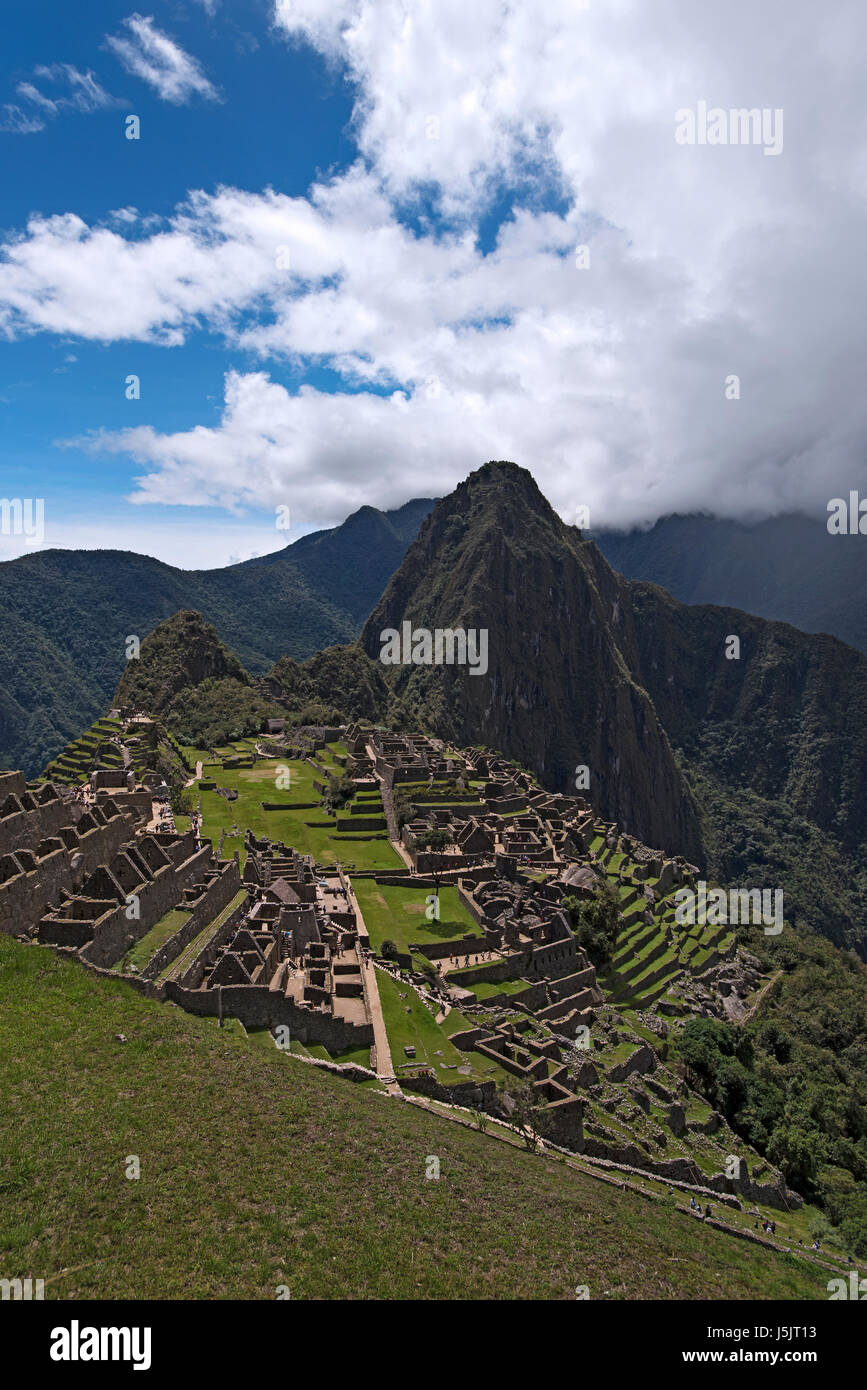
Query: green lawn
[[263, 1036], [194, 755], [158, 935], [395, 913], [260, 783], [409, 1022], [485, 989], [188, 955], [256, 1171]]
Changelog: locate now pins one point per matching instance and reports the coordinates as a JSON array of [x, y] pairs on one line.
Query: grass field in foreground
[[257, 1171]]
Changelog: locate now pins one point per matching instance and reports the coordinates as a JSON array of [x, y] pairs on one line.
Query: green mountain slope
[[774, 745], [65, 617], [185, 676], [787, 567]]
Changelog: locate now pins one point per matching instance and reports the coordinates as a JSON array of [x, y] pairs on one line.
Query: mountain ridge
[[66, 617], [786, 568]]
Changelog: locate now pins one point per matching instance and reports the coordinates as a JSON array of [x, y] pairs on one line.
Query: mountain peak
[[499, 481], [181, 651], [494, 556]]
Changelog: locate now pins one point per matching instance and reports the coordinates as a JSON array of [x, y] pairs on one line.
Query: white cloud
[[151, 55], [16, 121], [608, 382], [84, 92], [31, 93], [74, 91]]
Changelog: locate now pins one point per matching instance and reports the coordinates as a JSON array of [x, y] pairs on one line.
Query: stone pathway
[[766, 987], [196, 776], [384, 1064], [404, 854]]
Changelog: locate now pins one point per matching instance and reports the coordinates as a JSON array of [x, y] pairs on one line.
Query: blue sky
[[273, 97], [361, 247]]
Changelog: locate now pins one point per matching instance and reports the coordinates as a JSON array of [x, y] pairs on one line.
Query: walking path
[[766, 987], [404, 854], [384, 1064], [196, 776]]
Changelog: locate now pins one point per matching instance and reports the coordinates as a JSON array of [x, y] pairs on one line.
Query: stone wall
[[531, 998], [138, 803], [257, 1006], [460, 946], [634, 1159], [361, 823], [29, 893], [427, 861], [208, 906], [771, 1194], [467, 900], [563, 1123], [195, 971], [470, 1093], [642, 1060], [115, 934], [22, 825], [39, 881], [11, 784]]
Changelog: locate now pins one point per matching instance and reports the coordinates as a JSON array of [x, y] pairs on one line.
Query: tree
[[404, 808], [524, 1111], [436, 841], [798, 1154], [596, 923], [181, 800], [339, 790]]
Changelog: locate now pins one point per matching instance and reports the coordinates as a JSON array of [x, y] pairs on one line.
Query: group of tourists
[[474, 959], [696, 1206]]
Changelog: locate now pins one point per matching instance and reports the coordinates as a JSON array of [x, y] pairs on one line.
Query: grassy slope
[[253, 1175]]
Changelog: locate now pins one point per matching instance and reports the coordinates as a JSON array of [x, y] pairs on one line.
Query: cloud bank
[[656, 327]]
